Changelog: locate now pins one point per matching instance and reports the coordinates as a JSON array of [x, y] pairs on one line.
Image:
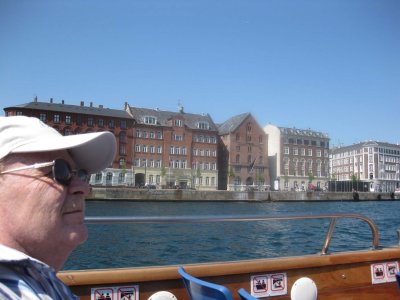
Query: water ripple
[[126, 245]]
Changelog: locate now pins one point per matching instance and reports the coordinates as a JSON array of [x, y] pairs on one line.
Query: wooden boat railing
[[242, 218]]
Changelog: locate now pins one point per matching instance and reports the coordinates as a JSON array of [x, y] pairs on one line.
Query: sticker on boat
[[384, 272], [267, 285], [115, 293]]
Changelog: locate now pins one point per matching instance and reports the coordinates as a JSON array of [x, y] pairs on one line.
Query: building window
[[68, 120], [67, 131], [111, 124], [56, 118], [178, 137], [101, 123], [122, 137], [42, 117], [121, 177], [98, 177], [203, 125], [178, 123], [90, 121], [122, 124], [137, 148], [150, 120], [122, 149], [286, 150]]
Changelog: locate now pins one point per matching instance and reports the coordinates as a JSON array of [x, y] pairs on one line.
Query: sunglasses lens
[[62, 171]]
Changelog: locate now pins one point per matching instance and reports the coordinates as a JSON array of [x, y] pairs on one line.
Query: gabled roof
[[76, 109], [232, 124], [163, 117]]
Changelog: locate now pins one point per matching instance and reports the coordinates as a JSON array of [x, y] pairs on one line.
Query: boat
[[363, 274]]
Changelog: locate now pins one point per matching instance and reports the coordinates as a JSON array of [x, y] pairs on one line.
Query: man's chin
[[78, 235]]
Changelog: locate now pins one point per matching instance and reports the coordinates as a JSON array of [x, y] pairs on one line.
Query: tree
[[310, 177], [333, 178], [354, 180], [163, 172], [231, 173]]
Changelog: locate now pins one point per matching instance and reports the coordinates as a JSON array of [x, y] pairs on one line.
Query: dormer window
[[150, 120], [203, 125], [178, 123]]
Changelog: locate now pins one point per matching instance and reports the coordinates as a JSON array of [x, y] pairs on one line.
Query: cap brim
[[91, 151]]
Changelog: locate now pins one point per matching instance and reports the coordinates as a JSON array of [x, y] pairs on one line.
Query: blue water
[[127, 245]]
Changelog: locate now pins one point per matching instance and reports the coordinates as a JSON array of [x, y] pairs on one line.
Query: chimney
[[91, 104], [100, 106], [82, 103], [35, 99], [51, 100], [62, 101]]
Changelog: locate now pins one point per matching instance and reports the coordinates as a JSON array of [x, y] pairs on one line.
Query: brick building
[[374, 163], [243, 154], [74, 119], [299, 159], [174, 149]]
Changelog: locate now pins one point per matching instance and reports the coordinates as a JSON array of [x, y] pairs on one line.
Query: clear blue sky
[[332, 66]]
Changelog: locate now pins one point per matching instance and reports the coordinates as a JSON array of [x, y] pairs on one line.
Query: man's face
[[45, 218]]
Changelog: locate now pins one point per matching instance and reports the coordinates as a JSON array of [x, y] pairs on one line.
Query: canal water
[[129, 245]]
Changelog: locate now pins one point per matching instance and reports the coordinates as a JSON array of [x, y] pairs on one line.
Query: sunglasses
[[62, 172]]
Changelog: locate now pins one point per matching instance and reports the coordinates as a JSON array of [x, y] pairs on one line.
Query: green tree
[[354, 180], [310, 177], [231, 173]]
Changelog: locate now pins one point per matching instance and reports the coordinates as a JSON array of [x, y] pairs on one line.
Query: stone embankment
[[122, 193]]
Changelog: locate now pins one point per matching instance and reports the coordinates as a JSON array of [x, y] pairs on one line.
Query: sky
[[329, 66]]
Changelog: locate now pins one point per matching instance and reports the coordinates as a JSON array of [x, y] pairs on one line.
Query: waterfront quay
[[127, 193]]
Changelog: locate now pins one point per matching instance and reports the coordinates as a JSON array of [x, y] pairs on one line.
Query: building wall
[[375, 162], [187, 156], [299, 158], [247, 150], [274, 150]]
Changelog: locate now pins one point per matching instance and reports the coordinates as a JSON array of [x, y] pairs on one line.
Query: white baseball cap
[[93, 151]]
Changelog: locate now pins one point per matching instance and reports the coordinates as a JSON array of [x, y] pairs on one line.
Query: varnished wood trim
[[125, 275]]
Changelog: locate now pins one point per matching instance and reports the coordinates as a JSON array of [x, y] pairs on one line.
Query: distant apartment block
[[243, 154], [174, 149], [375, 163], [298, 158]]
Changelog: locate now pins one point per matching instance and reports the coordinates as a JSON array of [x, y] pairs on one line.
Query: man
[[43, 185]]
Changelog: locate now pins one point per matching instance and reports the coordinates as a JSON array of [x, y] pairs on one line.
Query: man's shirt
[[23, 277]]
